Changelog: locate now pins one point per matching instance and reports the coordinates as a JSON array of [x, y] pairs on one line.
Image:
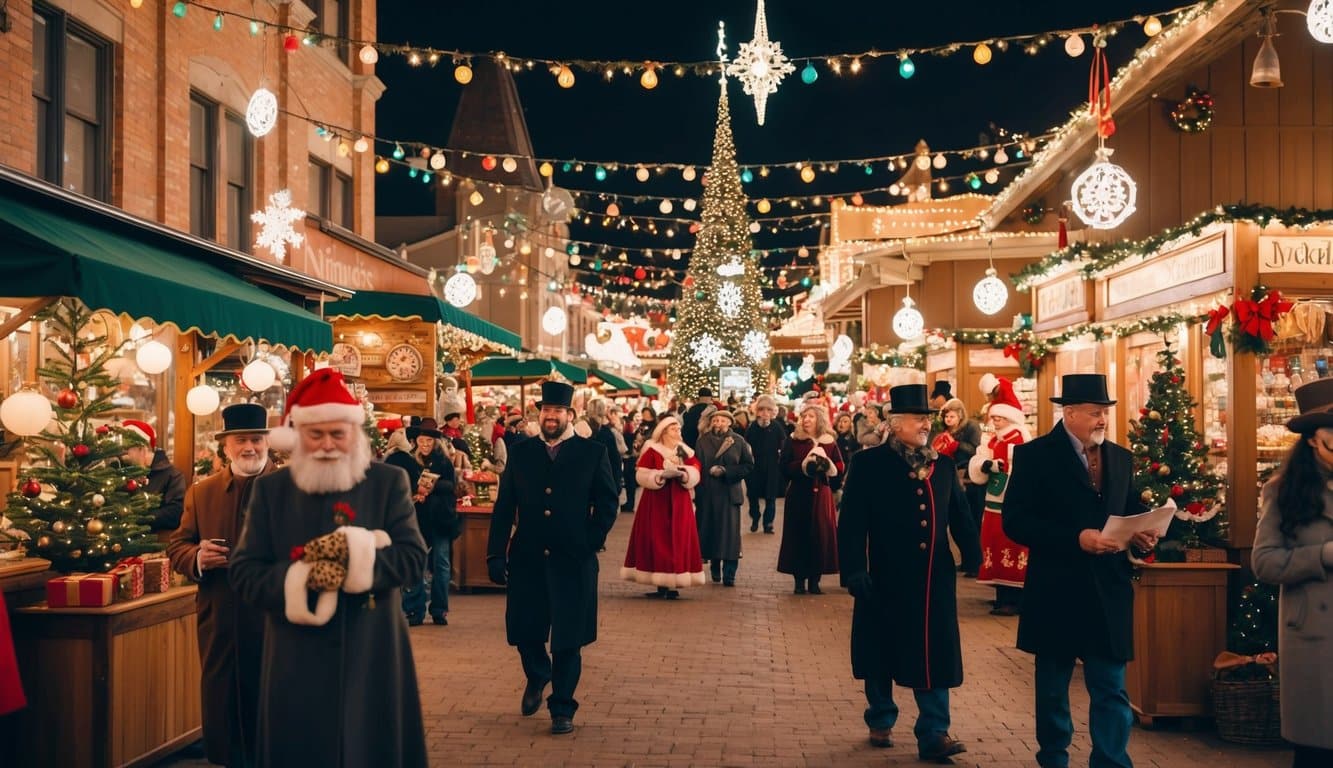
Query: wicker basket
[[1247, 711]]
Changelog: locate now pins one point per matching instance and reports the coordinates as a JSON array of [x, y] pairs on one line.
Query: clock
[[403, 362]]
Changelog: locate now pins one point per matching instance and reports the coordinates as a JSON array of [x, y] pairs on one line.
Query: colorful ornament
[[67, 399], [261, 113], [58, 526], [1146, 497], [98, 500], [131, 485], [1177, 490], [31, 488], [95, 526], [1104, 194], [81, 451], [1195, 113]]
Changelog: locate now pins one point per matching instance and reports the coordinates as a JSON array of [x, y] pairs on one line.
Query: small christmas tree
[[82, 507], [1170, 461], [1254, 620]]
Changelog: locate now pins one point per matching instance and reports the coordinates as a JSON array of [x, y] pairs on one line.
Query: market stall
[[521, 374]]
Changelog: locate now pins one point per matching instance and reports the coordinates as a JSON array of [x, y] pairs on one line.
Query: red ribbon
[[1215, 318], [1256, 318], [1099, 89], [129, 561], [1013, 350]]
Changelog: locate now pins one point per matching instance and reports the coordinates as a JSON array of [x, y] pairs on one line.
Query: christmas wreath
[[1035, 213], [1251, 327], [1029, 352], [1195, 113]]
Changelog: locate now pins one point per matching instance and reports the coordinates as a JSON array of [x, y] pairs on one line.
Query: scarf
[[916, 458]]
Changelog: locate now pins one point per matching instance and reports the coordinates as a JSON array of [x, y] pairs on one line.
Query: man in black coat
[[899, 504], [1078, 599], [557, 502], [766, 438], [689, 423]]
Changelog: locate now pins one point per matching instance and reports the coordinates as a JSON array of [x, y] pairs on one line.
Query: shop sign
[[396, 396], [941, 361], [346, 359], [1196, 262], [1060, 297], [322, 262], [989, 358], [1295, 254], [733, 380]]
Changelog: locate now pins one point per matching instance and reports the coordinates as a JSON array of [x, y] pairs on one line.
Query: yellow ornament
[[463, 74], [981, 54], [58, 526], [1164, 470], [43, 541], [95, 526], [1155, 415], [115, 548], [1146, 496], [76, 554]]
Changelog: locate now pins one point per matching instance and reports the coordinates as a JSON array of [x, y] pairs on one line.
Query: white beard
[[313, 475], [1098, 437], [243, 467]]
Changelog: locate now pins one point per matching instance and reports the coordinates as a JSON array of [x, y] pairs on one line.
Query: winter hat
[[141, 429], [321, 396], [1004, 402], [662, 424], [765, 401]]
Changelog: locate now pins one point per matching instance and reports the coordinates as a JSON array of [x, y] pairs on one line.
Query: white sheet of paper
[[1122, 529]]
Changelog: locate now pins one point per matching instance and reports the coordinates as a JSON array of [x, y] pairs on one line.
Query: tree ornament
[[116, 548], [98, 500], [907, 321], [708, 350], [67, 399], [290, 43], [76, 554], [261, 113], [729, 299], [81, 451], [31, 488], [43, 542], [102, 430], [1155, 415], [1104, 194], [95, 526], [1177, 490], [275, 224], [760, 64], [58, 526], [1164, 470], [755, 346], [131, 485], [1146, 496]]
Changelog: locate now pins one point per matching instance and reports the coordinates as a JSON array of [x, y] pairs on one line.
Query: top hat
[[244, 418], [909, 398], [942, 389], [1315, 401], [426, 427], [1078, 388], [556, 394], [704, 392]]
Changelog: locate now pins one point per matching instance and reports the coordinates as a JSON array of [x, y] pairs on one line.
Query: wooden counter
[[470, 549], [24, 581], [110, 686]]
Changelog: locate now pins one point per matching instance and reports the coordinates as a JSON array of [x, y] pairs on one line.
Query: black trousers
[[770, 509], [563, 672]]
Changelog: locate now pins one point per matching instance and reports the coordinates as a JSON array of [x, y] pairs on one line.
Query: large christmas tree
[[1171, 461], [718, 322], [81, 506]]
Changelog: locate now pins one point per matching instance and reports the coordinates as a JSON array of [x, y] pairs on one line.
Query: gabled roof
[[489, 119]]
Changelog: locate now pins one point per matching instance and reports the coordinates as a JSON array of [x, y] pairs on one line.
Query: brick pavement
[[740, 677]]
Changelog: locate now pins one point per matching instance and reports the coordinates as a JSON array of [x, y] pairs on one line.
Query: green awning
[[50, 254], [406, 306], [647, 388], [613, 381], [509, 370]]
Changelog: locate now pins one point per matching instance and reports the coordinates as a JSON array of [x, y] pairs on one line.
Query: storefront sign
[[396, 396], [1060, 297], [1194, 262], [1295, 255], [989, 358], [733, 380], [338, 262]]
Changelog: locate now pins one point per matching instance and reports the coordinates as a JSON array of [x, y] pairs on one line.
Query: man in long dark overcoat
[[726, 460], [766, 437], [556, 504], [231, 634], [900, 502], [1078, 600]]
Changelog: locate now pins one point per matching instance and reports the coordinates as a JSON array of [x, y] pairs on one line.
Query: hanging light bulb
[[808, 174], [368, 55], [261, 113], [940, 161], [1001, 157], [688, 173], [26, 412], [362, 144], [463, 74], [641, 174], [990, 294], [460, 290], [992, 176], [564, 77], [981, 54], [554, 321], [613, 210], [476, 197], [763, 206], [258, 376], [664, 207], [649, 78], [1319, 20], [153, 357], [1152, 26], [437, 160], [509, 165], [1074, 45], [546, 170], [1267, 71], [908, 322]]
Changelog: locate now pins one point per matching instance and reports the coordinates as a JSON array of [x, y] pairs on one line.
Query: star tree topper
[[760, 65], [276, 222]]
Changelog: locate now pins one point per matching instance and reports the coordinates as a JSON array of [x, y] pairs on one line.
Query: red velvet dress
[[1003, 562], [11, 687], [809, 518], [664, 542]]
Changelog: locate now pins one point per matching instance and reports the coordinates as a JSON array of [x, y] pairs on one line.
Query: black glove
[[496, 568], [860, 586], [987, 466]]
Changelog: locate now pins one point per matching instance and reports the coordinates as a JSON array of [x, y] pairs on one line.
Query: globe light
[[908, 322], [990, 294], [664, 206], [906, 68], [476, 197], [554, 321], [807, 174], [1319, 20], [261, 113], [460, 290], [565, 77], [463, 74], [437, 160], [258, 376], [153, 358], [509, 165], [1152, 26], [649, 79], [981, 54], [1074, 45], [641, 174], [809, 74], [688, 173], [26, 413], [362, 144], [202, 400], [368, 55]]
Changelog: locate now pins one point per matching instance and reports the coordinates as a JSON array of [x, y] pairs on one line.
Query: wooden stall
[[470, 549]]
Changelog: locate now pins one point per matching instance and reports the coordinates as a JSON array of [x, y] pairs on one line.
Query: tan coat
[[231, 634]]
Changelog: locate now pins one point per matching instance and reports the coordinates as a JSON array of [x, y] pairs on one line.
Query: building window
[[332, 19], [239, 148], [320, 177], [71, 85], [330, 194], [221, 163], [203, 159], [341, 207]]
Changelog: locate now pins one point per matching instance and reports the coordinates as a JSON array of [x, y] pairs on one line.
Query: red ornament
[[81, 451], [1155, 465], [290, 43], [640, 273], [1175, 379], [67, 399], [32, 489], [102, 430], [488, 163], [131, 485], [1143, 411], [1195, 508], [1177, 490]]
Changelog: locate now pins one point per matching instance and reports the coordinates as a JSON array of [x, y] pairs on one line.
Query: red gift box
[[130, 576], [84, 590], [157, 575]]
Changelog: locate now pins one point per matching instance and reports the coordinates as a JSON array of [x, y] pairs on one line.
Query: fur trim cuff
[[692, 475], [658, 579], [360, 559], [974, 472], [819, 451], [296, 597], [649, 478]]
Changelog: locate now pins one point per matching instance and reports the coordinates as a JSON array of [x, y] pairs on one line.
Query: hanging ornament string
[[1099, 90], [1104, 194]]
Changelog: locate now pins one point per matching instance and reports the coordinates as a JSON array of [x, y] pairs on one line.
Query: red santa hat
[[141, 429], [321, 396], [1003, 401]]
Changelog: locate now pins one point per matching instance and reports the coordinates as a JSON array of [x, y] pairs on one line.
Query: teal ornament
[[597, 265], [809, 74], [746, 176], [974, 181], [567, 167], [425, 177], [699, 295], [906, 68], [398, 152], [411, 173], [805, 282], [599, 173], [869, 170], [217, 23], [178, 10]]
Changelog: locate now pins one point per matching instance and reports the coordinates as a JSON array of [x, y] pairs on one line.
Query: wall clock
[[404, 362]]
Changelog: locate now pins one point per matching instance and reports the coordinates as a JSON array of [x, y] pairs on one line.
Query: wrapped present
[[81, 590], [129, 573], [157, 574]]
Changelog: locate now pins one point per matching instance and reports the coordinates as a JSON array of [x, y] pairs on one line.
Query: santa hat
[[321, 396], [141, 429], [1003, 401], [662, 424]]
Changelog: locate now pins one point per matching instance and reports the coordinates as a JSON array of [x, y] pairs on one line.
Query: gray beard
[[316, 476]]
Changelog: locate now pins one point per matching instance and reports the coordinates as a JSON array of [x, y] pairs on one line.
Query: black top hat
[[909, 398], [1315, 400], [704, 392], [244, 418], [942, 389], [556, 395], [1078, 388], [426, 427]]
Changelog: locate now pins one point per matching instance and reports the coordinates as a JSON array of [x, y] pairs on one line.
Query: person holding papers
[[1078, 599]]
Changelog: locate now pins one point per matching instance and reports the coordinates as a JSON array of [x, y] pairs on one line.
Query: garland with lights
[[1094, 258], [1195, 113]]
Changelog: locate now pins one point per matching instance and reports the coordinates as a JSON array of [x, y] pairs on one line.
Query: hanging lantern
[[26, 413], [261, 114], [153, 358], [554, 321], [258, 376], [1104, 194], [990, 294], [908, 322], [202, 400], [460, 290]]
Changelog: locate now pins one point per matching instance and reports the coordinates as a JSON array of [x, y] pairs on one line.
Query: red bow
[[1257, 317], [1013, 350], [1215, 318]]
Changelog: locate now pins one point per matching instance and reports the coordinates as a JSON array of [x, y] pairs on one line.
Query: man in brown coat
[[231, 633]]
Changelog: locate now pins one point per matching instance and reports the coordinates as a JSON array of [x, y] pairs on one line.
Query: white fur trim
[[296, 596], [315, 414], [282, 439], [988, 384], [692, 476], [662, 579], [670, 453], [360, 559], [818, 450], [382, 539], [974, 472], [1006, 411], [649, 478], [582, 429]]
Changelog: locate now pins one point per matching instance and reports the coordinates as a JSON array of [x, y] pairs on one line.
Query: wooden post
[[182, 444]]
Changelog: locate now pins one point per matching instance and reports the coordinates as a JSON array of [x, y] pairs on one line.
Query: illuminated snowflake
[[755, 346], [760, 65], [275, 223], [729, 299], [1104, 194], [708, 350]]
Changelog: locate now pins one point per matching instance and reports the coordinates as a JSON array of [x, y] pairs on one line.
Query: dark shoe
[[729, 582], [715, 571], [627, 510], [881, 737], [800, 590], [672, 594], [442, 620], [658, 595], [940, 748], [532, 697], [814, 588], [754, 526], [562, 725], [415, 619], [768, 529]]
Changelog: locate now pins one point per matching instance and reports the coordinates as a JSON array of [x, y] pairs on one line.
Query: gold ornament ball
[[1146, 496], [95, 526], [58, 526], [1164, 470], [43, 541], [115, 548], [75, 554], [1155, 415]]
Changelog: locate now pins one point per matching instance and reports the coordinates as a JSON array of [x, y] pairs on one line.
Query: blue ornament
[[746, 176], [599, 173], [809, 74], [906, 68]]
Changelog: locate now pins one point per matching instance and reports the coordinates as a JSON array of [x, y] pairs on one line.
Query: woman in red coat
[[664, 542], [1004, 563], [813, 467]]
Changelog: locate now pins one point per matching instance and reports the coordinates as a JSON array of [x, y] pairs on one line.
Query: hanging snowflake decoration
[[760, 65], [261, 114], [708, 351], [729, 299], [275, 223], [908, 322], [1319, 20], [755, 346], [1104, 194], [990, 294]]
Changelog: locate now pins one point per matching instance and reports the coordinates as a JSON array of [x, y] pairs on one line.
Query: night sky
[[950, 101]]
